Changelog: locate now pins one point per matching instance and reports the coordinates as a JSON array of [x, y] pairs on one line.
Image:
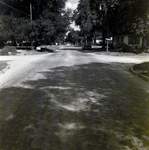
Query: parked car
[[43, 49]]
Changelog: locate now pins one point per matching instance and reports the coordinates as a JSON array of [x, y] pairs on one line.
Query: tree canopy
[[112, 16], [50, 20]]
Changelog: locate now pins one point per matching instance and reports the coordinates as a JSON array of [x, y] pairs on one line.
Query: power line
[[14, 8]]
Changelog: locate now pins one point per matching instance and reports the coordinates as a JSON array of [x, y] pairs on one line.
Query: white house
[[131, 40]]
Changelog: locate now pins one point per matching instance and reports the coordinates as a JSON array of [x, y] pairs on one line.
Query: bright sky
[[72, 4]]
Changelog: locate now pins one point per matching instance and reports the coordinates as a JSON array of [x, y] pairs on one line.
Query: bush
[[126, 48], [122, 47], [8, 50], [136, 50]]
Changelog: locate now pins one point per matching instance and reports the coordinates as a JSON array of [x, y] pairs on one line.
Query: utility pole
[[31, 12], [31, 17]]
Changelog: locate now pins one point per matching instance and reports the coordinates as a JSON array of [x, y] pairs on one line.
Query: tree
[[115, 17], [14, 28], [130, 17], [50, 20], [52, 27], [126, 14], [83, 18], [73, 37], [38, 6], [91, 20]]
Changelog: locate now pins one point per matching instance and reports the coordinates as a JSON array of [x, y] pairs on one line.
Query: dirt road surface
[[69, 100]]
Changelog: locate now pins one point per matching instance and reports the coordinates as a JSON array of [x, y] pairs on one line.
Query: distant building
[[131, 40]]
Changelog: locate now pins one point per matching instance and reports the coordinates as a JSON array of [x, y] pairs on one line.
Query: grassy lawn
[[142, 68]]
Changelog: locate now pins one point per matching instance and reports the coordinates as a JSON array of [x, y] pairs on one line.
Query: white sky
[[72, 4], [73, 1]]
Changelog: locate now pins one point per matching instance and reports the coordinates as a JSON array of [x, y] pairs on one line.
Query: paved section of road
[[70, 100]]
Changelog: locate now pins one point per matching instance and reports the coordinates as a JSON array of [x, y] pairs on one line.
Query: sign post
[[107, 49]]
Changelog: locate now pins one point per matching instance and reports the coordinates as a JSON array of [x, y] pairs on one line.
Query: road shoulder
[[141, 70]]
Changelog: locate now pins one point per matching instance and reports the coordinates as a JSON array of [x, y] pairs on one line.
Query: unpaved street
[[69, 100]]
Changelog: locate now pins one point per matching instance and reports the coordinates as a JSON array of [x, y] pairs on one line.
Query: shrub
[[8, 50], [126, 48], [136, 50], [122, 47]]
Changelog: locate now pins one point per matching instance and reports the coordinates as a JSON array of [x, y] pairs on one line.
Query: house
[[128, 39]]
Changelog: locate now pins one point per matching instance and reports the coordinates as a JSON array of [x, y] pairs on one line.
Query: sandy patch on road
[[3, 67], [14, 65], [11, 66]]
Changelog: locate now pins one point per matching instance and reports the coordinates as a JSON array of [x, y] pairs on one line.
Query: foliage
[[122, 47], [8, 50], [14, 28], [128, 16], [112, 17], [50, 20], [74, 37], [83, 18], [38, 6]]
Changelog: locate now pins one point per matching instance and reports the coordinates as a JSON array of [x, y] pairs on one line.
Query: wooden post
[[31, 25], [107, 46], [31, 12]]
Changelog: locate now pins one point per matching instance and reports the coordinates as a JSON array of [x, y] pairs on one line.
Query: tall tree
[[91, 19], [83, 18], [12, 28], [114, 17], [50, 20]]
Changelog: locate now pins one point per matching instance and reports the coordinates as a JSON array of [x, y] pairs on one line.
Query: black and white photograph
[[74, 74]]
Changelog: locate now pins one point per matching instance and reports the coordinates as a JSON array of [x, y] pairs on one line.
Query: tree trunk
[[87, 43], [95, 40]]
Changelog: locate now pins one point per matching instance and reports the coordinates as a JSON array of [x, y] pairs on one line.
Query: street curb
[[138, 74]]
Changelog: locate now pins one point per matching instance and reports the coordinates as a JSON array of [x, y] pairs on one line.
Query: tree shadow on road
[[73, 108]]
